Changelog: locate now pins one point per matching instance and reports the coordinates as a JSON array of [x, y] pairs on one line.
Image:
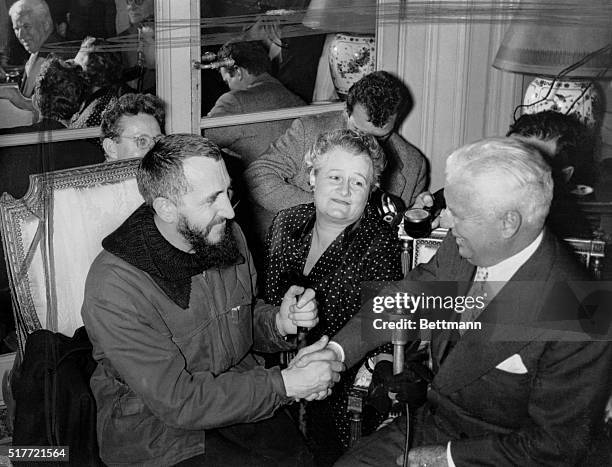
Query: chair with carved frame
[[52, 235]]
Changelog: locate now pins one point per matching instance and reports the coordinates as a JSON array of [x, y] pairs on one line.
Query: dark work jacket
[[166, 374]]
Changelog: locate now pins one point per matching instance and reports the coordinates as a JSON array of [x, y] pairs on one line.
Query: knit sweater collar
[[139, 242]]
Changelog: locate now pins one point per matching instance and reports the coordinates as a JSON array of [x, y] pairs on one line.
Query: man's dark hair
[[104, 67], [382, 95], [574, 141], [250, 55], [161, 174], [131, 105], [60, 89]]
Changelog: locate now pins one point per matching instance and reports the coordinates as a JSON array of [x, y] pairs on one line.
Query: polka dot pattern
[[91, 114], [366, 251]]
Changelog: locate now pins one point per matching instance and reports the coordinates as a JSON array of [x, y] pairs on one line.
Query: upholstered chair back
[[52, 235]]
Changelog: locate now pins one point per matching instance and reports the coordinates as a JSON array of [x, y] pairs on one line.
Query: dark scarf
[[138, 242]]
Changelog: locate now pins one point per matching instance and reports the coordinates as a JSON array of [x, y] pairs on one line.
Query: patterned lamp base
[[581, 97]]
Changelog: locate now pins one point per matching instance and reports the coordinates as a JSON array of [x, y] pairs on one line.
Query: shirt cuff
[[449, 457], [337, 348]]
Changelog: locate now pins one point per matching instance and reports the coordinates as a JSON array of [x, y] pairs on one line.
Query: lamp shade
[[545, 39], [352, 16]]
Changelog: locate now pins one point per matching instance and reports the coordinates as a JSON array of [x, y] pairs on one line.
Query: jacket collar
[[139, 242]]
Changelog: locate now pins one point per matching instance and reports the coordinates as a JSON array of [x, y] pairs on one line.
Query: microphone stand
[[399, 339], [301, 343]]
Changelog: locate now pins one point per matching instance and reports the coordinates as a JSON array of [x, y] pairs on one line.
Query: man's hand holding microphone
[[316, 368]]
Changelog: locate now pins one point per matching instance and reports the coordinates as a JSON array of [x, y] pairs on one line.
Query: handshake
[[313, 372], [316, 368]]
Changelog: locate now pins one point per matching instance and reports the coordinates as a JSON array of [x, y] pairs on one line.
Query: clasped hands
[[312, 372]]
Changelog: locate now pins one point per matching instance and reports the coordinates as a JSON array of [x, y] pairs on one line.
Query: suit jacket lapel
[[462, 272]]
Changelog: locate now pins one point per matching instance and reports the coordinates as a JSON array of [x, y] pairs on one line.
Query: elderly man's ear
[[110, 149], [511, 223]]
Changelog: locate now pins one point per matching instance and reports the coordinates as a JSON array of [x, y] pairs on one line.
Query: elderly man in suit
[[33, 27], [252, 89], [279, 179], [529, 387]]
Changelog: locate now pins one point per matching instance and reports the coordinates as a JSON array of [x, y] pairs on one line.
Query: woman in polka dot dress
[[331, 246]]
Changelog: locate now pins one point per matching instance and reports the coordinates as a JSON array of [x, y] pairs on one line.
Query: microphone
[[227, 63], [399, 339], [301, 337], [293, 277], [210, 61]]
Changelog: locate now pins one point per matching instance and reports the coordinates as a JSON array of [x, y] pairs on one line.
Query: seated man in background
[[279, 179], [130, 125], [518, 390], [33, 27], [171, 311], [252, 89], [564, 139], [567, 145]]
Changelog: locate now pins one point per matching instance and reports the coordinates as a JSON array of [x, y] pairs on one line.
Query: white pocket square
[[513, 364]]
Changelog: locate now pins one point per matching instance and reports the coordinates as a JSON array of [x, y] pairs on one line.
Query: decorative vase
[[581, 97], [351, 57]]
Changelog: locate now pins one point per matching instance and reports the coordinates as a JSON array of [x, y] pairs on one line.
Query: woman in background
[[103, 70], [332, 246]]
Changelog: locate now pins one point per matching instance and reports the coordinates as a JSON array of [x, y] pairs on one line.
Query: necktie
[[479, 289]]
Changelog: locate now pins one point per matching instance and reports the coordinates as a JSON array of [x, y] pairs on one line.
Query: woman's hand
[[298, 309]]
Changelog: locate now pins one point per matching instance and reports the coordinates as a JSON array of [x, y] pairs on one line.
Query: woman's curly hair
[[60, 89], [355, 142], [104, 67]]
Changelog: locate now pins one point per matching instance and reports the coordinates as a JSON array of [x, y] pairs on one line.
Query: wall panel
[[459, 96]]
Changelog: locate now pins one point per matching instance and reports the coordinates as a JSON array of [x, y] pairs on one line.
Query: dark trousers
[[275, 442], [383, 447], [380, 449]]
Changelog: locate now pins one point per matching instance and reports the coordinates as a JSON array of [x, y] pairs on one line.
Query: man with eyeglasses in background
[[130, 126]]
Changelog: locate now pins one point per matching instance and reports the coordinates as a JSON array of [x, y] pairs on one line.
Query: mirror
[[121, 59], [280, 49]]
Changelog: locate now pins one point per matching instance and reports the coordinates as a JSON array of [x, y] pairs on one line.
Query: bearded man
[[171, 311]]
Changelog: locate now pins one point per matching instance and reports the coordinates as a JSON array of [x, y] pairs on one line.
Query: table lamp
[[567, 45]]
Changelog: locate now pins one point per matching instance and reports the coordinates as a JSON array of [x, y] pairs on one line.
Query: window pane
[[120, 59], [278, 46]]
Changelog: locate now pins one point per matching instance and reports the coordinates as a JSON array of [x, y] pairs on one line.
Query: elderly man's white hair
[[36, 8], [522, 177]]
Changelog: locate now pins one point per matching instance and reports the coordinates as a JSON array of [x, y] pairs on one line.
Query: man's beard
[[221, 254]]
